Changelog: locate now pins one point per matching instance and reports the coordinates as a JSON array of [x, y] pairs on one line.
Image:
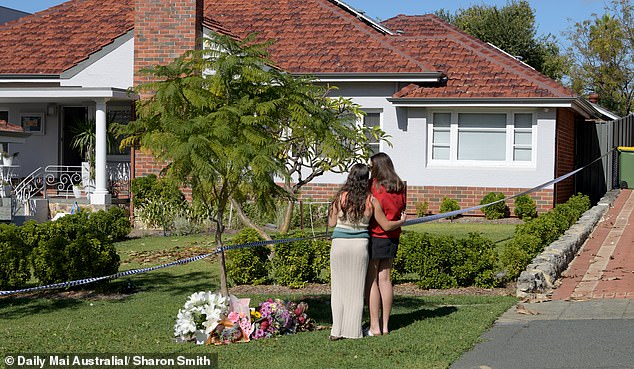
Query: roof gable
[[474, 68], [56, 39]]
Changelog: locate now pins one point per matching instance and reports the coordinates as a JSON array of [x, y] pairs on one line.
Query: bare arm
[[379, 215], [332, 213]]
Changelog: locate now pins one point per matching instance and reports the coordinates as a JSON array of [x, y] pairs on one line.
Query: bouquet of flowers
[[272, 318], [199, 316], [302, 323]]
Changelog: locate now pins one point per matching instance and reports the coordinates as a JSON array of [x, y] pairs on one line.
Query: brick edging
[[540, 276]]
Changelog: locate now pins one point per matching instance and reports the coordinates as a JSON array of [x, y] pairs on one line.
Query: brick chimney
[[163, 30]]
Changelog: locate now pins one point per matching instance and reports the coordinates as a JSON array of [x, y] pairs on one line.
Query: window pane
[[523, 138], [522, 154], [523, 120], [481, 146], [440, 153], [471, 120], [441, 137], [4, 115], [442, 119], [371, 120]]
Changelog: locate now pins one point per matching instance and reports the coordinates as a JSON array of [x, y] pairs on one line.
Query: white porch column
[[101, 195]]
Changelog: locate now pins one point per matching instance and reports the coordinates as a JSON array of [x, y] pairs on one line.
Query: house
[[464, 117]]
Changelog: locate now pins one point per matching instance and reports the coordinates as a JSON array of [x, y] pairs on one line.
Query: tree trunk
[[247, 222], [287, 218], [224, 291]]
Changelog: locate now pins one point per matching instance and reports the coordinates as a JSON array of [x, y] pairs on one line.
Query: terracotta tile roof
[[314, 36], [474, 68], [53, 40]]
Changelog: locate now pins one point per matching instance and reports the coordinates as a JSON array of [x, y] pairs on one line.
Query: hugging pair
[[367, 213]]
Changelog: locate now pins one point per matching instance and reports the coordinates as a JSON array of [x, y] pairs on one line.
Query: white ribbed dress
[[348, 267]]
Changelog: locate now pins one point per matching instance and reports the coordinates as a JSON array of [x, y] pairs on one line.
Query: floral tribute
[[213, 319]]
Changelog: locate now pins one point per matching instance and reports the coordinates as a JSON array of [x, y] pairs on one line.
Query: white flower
[[202, 310]]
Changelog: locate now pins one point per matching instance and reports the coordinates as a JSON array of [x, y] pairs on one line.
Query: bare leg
[[386, 292], [374, 296]]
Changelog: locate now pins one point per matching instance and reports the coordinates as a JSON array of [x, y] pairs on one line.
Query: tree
[[512, 29], [232, 132], [322, 135], [213, 129], [603, 56]]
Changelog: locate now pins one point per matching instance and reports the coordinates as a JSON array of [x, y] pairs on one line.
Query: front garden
[[138, 313]]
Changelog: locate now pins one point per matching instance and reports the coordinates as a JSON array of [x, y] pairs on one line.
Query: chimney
[[593, 98], [163, 31]]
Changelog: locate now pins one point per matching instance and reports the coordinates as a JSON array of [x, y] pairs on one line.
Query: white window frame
[[361, 123], [510, 140]]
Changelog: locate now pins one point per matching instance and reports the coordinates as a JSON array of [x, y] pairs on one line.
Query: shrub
[[525, 207], [475, 261], [15, 269], [409, 255], [158, 201], [294, 263], [518, 253], [321, 262], [113, 224], [495, 211], [422, 209], [449, 204], [248, 265], [435, 268]]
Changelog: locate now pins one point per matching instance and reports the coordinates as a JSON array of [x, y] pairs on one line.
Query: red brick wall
[[466, 196], [163, 31], [564, 154]]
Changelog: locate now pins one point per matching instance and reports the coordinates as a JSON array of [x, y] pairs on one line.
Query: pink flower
[[233, 317]]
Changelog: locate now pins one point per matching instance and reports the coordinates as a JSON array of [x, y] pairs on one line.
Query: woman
[[388, 189], [350, 213]]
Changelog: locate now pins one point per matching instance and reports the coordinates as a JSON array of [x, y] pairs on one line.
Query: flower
[[201, 311]]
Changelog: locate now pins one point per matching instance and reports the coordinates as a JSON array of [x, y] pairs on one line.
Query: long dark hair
[[383, 173], [356, 186]]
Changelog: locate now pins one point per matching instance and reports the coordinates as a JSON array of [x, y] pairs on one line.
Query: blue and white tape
[[287, 240]]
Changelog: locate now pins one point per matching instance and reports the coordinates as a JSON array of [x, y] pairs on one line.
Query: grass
[[137, 314], [496, 232]]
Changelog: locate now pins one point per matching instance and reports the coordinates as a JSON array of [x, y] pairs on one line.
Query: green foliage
[[449, 204], [533, 235], [525, 207], [73, 247], [422, 209], [159, 202], [15, 267], [496, 211], [300, 262], [315, 215], [603, 55], [249, 265], [113, 223], [518, 253], [447, 262], [512, 28]]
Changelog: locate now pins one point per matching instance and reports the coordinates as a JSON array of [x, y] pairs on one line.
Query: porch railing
[[68, 182]]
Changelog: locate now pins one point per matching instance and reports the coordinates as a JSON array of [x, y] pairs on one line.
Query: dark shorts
[[383, 248]]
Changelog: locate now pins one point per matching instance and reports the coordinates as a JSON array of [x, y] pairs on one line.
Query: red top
[[393, 205]]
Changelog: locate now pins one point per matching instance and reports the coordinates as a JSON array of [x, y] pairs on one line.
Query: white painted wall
[[38, 148], [408, 130], [115, 69]]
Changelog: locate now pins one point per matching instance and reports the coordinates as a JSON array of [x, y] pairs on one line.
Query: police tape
[[288, 240], [126, 273]]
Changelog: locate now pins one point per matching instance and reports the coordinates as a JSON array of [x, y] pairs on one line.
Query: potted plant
[[7, 159], [84, 140]]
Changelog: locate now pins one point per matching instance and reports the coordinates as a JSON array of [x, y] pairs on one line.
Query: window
[[495, 138], [4, 115], [372, 120]]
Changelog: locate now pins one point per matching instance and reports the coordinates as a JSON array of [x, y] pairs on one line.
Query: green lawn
[[496, 232], [137, 314]]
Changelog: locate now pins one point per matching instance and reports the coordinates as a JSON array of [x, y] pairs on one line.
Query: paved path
[[589, 323]]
